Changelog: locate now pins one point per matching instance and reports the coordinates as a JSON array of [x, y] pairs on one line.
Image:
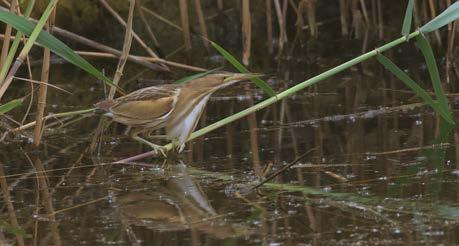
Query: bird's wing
[[146, 104]]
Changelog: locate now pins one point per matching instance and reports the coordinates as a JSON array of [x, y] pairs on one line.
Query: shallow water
[[381, 168]]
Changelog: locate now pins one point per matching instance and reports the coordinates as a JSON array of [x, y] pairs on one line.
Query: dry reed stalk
[[8, 29], [284, 10], [136, 59], [122, 22], [280, 20], [101, 47], [269, 25], [43, 88], [364, 11], [293, 5], [151, 59], [184, 18], [51, 116], [220, 5], [312, 22], [433, 14], [380, 20], [246, 32], [299, 15], [343, 17], [148, 27], [254, 144], [450, 50], [202, 23], [159, 17], [126, 48]]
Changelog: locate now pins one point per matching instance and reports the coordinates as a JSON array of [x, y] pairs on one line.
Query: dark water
[[382, 169]]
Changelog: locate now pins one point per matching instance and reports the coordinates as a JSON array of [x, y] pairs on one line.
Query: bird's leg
[[156, 148]]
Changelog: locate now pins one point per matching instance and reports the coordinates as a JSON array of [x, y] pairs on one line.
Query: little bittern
[[177, 107]]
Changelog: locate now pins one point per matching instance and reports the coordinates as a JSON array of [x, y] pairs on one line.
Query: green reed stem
[[298, 88], [15, 45]]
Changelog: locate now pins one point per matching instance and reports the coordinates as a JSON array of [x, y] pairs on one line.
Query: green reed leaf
[[389, 65], [408, 18], [426, 50], [231, 59], [449, 15], [55, 45], [4, 108]]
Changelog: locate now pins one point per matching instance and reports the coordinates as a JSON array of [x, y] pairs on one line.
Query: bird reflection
[[177, 204]]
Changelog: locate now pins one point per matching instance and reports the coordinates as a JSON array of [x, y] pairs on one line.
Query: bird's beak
[[242, 76]]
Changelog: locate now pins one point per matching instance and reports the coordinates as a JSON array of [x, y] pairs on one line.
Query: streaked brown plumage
[[177, 107]]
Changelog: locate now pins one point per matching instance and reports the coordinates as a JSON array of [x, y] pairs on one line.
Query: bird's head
[[236, 77], [215, 81]]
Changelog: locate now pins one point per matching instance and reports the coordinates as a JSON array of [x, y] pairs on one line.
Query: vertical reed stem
[[280, 20], [184, 17], [202, 23], [246, 32], [6, 40], [43, 88], [220, 5], [311, 10], [126, 48], [269, 25]]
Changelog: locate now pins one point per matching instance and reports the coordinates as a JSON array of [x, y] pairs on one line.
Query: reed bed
[[355, 17]]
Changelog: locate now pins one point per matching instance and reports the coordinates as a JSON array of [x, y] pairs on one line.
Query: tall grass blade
[[4, 108], [196, 76], [408, 18], [449, 15], [389, 65], [433, 71], [257, 81], [55, 45], [14, 47]]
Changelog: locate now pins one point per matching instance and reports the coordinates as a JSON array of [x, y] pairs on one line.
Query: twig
[[49, 116], [159, 60], [122, 22], [148, 27], [270, 177], [126, 48], [159, 17]]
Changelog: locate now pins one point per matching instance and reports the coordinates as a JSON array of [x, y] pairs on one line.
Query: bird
[[175, 107]]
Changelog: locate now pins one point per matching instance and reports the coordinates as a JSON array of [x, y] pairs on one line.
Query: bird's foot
[[156, 148]]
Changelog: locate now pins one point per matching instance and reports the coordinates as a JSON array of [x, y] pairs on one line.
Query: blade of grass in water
[[230, 58], [55, 45], [408, 18], [10, 105], [389, 65], [433, 71], [195, 76], [449, 15]]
